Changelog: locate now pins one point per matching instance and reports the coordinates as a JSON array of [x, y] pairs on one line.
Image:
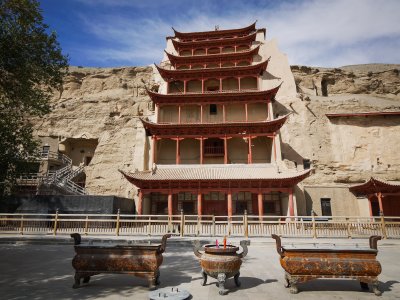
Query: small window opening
[[326, 207], [213, 109]]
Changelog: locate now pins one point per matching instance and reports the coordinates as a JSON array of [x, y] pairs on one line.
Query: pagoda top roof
[[215, 42], [212, 72], [374, 185], [214, 33], [213, 57], [200, 176], [243, 129], [230, 96]]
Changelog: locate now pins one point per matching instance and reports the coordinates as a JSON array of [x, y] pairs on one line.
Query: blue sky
[[330, 33]]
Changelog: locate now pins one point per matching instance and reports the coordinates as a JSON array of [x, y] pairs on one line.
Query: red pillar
[[201, 114], [202, 86], [179, 114], [201, 150], [225, 150], [154, 149], [260, 205], [247, 114], [184, 86], [220, 84], [199, 200], [139, 207], [370, 206], [178, 152], [223, 113], [229, 204], [380, 202], [250, 157], [291, 206], [274, 142], [268, 116], [239, 83], [157, 112], [169, 204]]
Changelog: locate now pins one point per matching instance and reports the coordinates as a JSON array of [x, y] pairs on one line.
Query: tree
[[32, 67]]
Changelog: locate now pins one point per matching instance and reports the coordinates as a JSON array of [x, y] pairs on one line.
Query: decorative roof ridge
[[378, 180], [224, 31], [214, 55], [161, 69], [214, 93], [276, 120], [183, 43]]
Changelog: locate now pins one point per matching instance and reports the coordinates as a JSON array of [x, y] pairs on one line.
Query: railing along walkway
[[192, 225]]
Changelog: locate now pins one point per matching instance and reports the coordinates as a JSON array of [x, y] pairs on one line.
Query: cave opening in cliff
[[324, 87]]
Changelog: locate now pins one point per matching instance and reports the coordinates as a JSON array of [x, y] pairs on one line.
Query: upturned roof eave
[[160, 98], [198, 34]]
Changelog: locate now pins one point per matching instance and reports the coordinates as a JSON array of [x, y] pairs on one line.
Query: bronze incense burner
[[142, 260], [304, 264], [220, 263]]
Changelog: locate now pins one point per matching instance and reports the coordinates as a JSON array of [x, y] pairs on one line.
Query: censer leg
[[237, 282], [204, 275], [77, 279], [364, 286], [287, 282], [221, 284], [375, 288]]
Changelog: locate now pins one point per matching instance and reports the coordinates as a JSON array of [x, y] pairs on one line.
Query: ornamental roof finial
[[216, 27]]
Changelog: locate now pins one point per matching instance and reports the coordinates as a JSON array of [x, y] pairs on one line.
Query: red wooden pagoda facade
[[214, 146]]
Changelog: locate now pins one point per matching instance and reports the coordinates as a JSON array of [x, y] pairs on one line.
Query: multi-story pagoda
[[215, 146]]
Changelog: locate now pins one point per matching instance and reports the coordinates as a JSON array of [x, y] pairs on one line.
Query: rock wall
[[105, 104], [345, 149]]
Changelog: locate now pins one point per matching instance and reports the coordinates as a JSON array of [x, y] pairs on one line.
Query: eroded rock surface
[[106, 103]]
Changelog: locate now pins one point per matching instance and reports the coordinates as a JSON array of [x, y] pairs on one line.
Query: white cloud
[[325, 33]]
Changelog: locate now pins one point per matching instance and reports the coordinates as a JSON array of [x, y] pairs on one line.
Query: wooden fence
[[192, 225]]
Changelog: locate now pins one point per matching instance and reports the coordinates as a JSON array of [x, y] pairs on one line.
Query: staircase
[[62, 178]]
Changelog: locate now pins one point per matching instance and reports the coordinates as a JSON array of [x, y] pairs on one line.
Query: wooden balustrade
[[207, 225]]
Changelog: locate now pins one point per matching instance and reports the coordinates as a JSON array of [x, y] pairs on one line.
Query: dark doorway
[[188, 207], [375, 208], [324, 87], [88, 159], [241, 206], [326, 207]]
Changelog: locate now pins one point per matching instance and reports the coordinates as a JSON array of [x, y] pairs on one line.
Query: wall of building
[[261, 149], [343, 202], [81, 151], [190, 151], [237, 150], [362, 143]]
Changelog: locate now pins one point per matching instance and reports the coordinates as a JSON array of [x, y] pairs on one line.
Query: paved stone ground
[[44, 271]]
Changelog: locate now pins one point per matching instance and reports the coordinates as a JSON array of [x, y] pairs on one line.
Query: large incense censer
[[220, 262], [142, 260], [302, 264]]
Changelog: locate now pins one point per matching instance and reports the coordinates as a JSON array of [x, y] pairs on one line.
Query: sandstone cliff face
[[105, 104], [345, 149]]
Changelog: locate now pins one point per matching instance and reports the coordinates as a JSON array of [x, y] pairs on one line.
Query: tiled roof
[[216, 172], [232, 96], [215, 33], [374, 185]]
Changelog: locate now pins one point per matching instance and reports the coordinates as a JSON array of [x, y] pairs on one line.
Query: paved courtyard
[[38, 271]]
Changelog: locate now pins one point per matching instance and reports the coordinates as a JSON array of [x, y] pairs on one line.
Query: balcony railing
[[193, 225], [249, 90], [214, 151]]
